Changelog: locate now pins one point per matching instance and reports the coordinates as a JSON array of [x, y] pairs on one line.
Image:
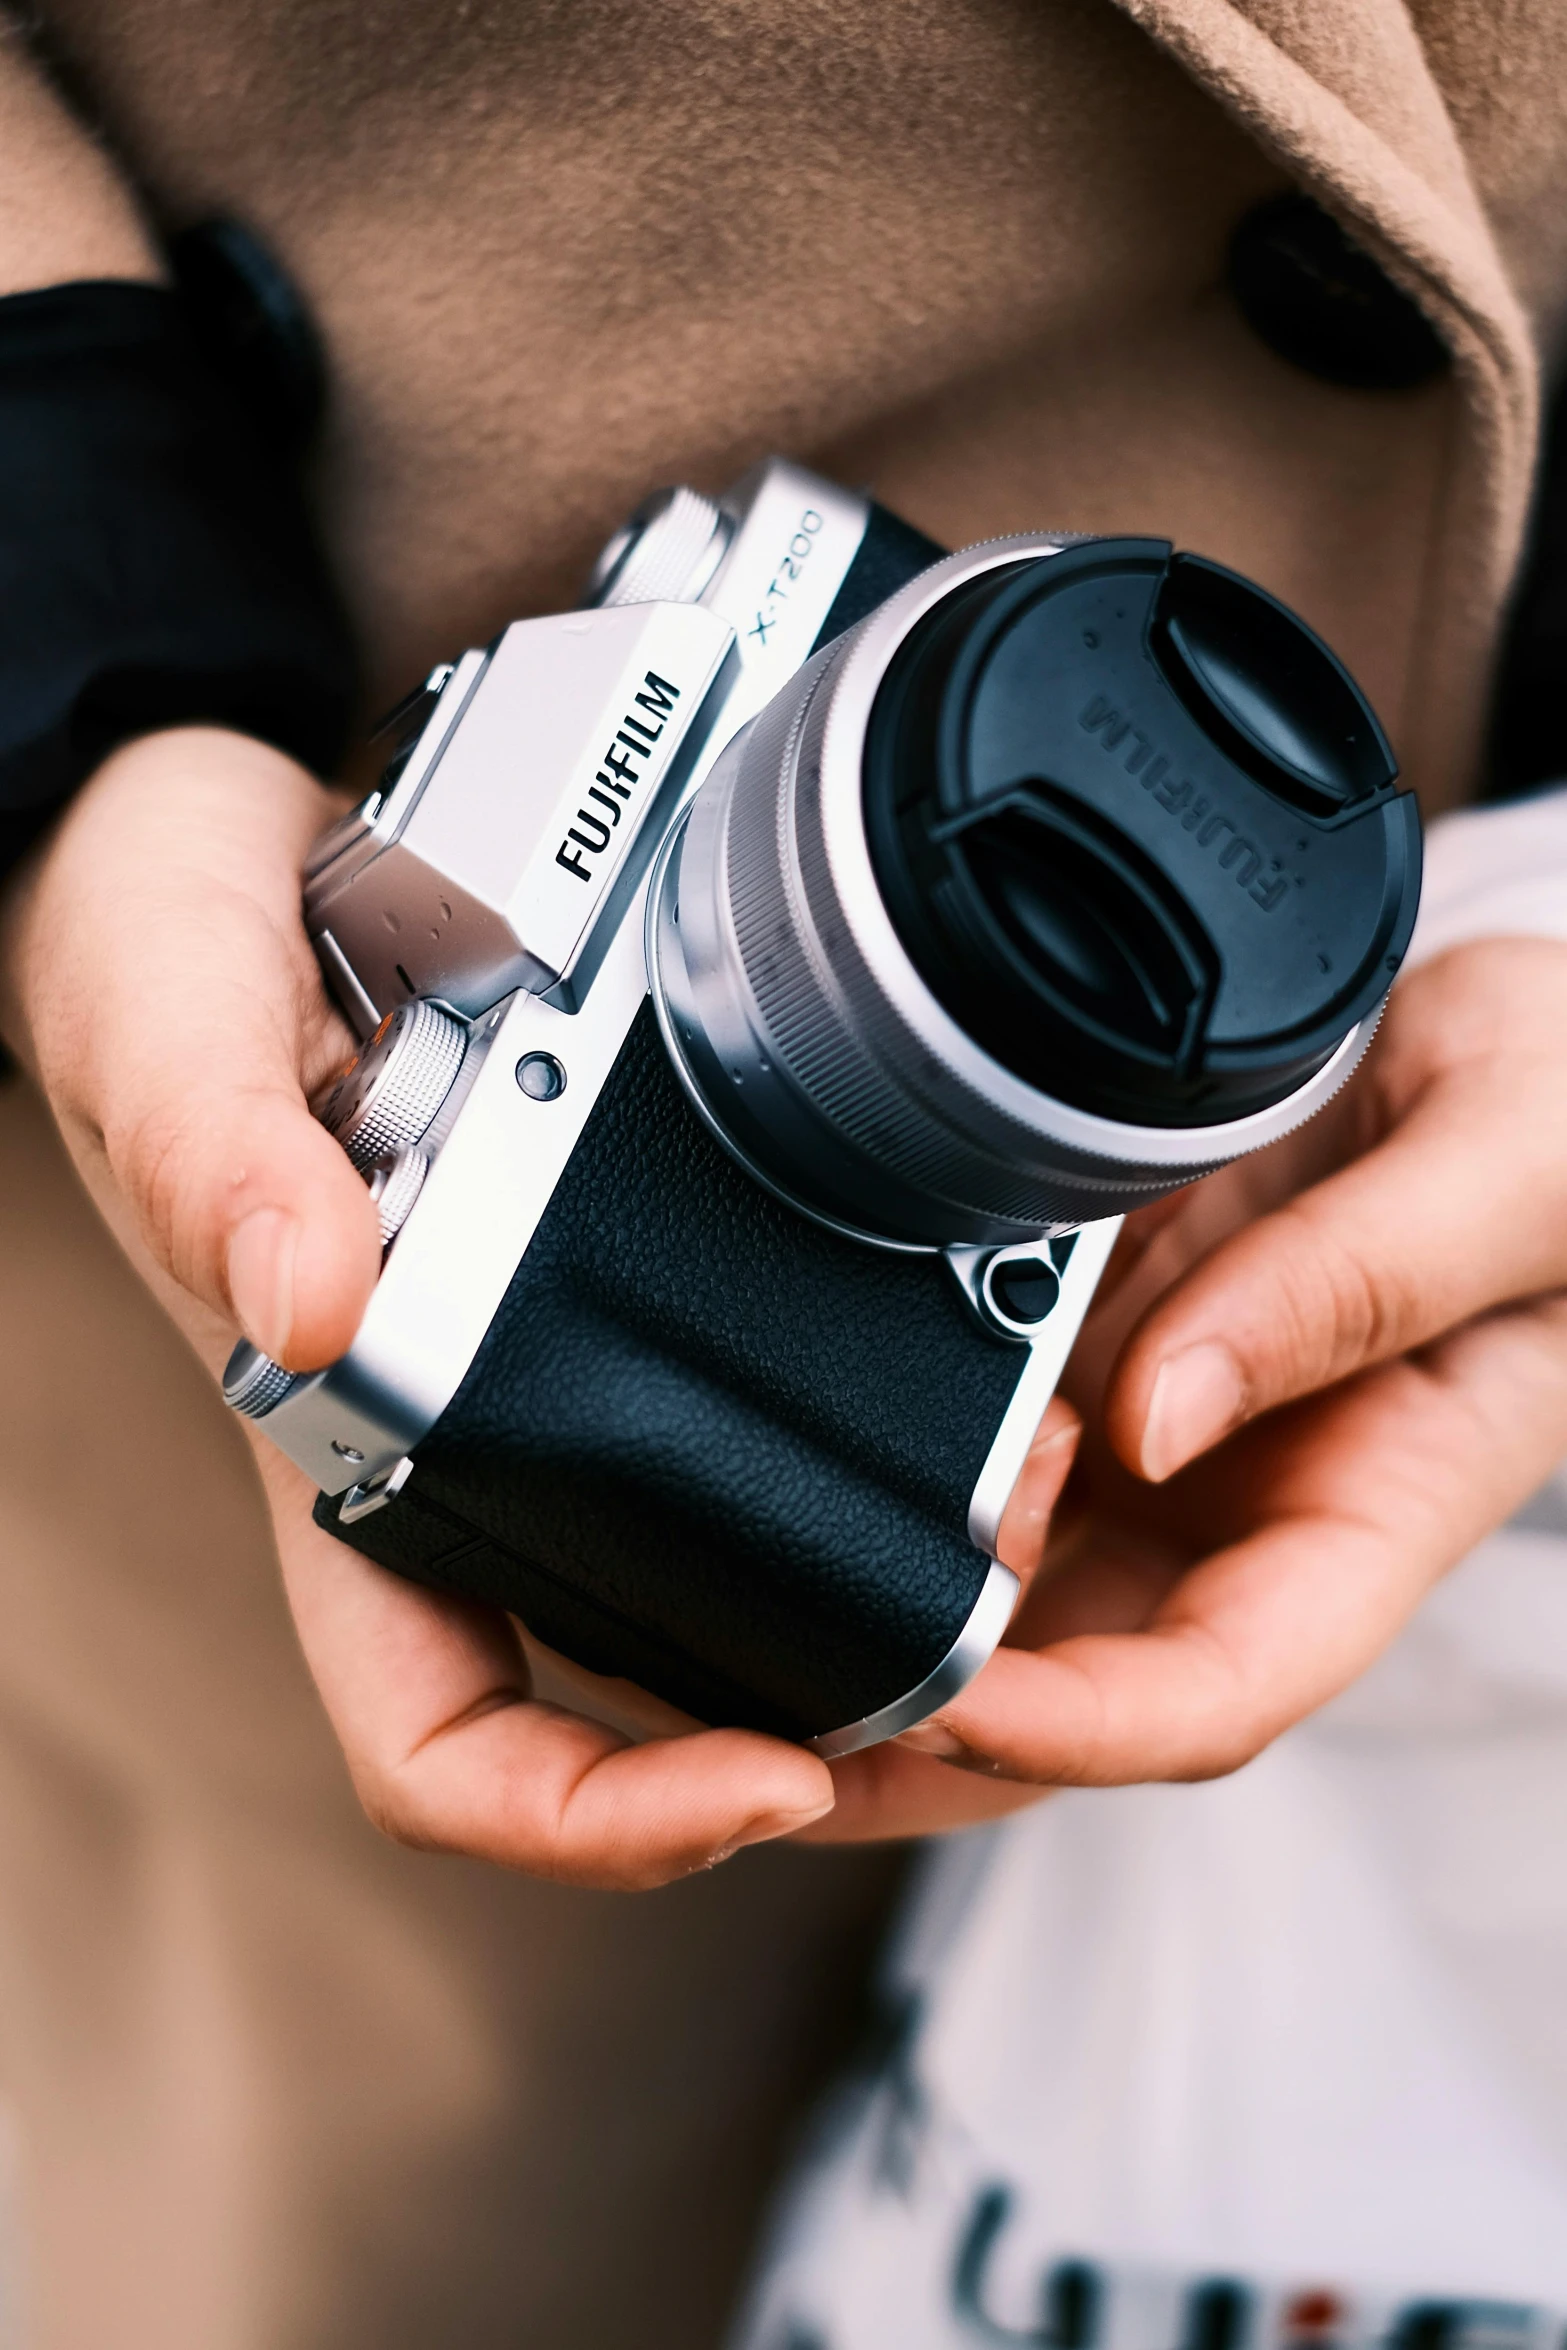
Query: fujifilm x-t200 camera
[[778, 978]]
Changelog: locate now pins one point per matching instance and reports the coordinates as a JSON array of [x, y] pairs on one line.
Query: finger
[[245, 1199], [891, 1792], [177, 1004], [530, 1787], [1459, 1209], [1368, 1497], [875, 1796], [429, 1698], [1025, 1522]]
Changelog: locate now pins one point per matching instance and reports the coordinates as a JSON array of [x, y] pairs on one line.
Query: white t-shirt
[[1278, 2060]]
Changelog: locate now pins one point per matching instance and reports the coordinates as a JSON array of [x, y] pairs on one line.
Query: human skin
[[1313, 1383], [1247, 1527]]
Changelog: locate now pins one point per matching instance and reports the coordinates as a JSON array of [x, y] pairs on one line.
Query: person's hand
[[157, 979], [1316, 1380]]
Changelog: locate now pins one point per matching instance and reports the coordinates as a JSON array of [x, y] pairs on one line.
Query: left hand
[[1317, 1379], [156, 976]]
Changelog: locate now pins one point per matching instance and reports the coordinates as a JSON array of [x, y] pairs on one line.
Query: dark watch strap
[[157, 560]]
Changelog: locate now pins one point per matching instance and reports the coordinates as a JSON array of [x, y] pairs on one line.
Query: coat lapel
[[1340, 92]]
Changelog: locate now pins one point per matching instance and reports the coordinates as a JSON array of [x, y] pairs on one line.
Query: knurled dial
[[387, 1097], [394, 1186], [666, 553]]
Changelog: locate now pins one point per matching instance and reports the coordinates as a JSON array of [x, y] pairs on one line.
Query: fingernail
[[933, 1738], [768, 1824], [940, 1743], [1199, 1396], [1058, 1431], [1045, 1470], [261, 1277]]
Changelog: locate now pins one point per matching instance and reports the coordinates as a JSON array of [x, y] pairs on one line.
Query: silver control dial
[[666, 554], [387, 1097], [253, 1382], [394, 1186]]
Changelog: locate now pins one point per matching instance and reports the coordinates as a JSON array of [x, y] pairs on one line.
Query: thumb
[[253, 1207], [180, 868]]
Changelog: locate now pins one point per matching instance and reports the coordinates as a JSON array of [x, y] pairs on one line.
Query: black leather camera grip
[[707, 1446]]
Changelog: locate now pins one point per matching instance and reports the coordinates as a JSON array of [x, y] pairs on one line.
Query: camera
[[777, 978]]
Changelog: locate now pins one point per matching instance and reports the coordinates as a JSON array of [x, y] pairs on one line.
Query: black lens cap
[[1138, 830]]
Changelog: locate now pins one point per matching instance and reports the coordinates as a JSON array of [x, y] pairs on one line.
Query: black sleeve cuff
[[157, 561]]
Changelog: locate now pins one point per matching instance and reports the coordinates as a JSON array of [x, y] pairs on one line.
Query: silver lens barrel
[[808, 1040]]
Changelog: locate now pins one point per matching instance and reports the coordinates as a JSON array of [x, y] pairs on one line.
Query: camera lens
[[1075, 871], [1135, 826]]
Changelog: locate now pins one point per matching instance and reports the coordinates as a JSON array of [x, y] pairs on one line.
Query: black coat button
[[253, 322], [1317, 299]]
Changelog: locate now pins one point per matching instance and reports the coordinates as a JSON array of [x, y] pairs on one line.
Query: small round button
[[1319, 300], [541, 1077], [1022, 1290]]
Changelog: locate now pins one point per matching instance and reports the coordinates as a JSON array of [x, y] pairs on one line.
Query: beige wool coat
[[971, 250], [275, 2086]]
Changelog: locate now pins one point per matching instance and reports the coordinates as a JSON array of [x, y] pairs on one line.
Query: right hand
[[1314, 1381], [156, 978]]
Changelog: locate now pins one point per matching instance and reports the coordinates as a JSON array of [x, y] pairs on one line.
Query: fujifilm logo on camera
[[523, 816], [634, 739]]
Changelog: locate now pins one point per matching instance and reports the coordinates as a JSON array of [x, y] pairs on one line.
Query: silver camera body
[[585, 813], [502, 876]]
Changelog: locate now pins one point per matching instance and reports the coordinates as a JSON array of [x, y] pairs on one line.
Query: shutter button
[[1320, 301]]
